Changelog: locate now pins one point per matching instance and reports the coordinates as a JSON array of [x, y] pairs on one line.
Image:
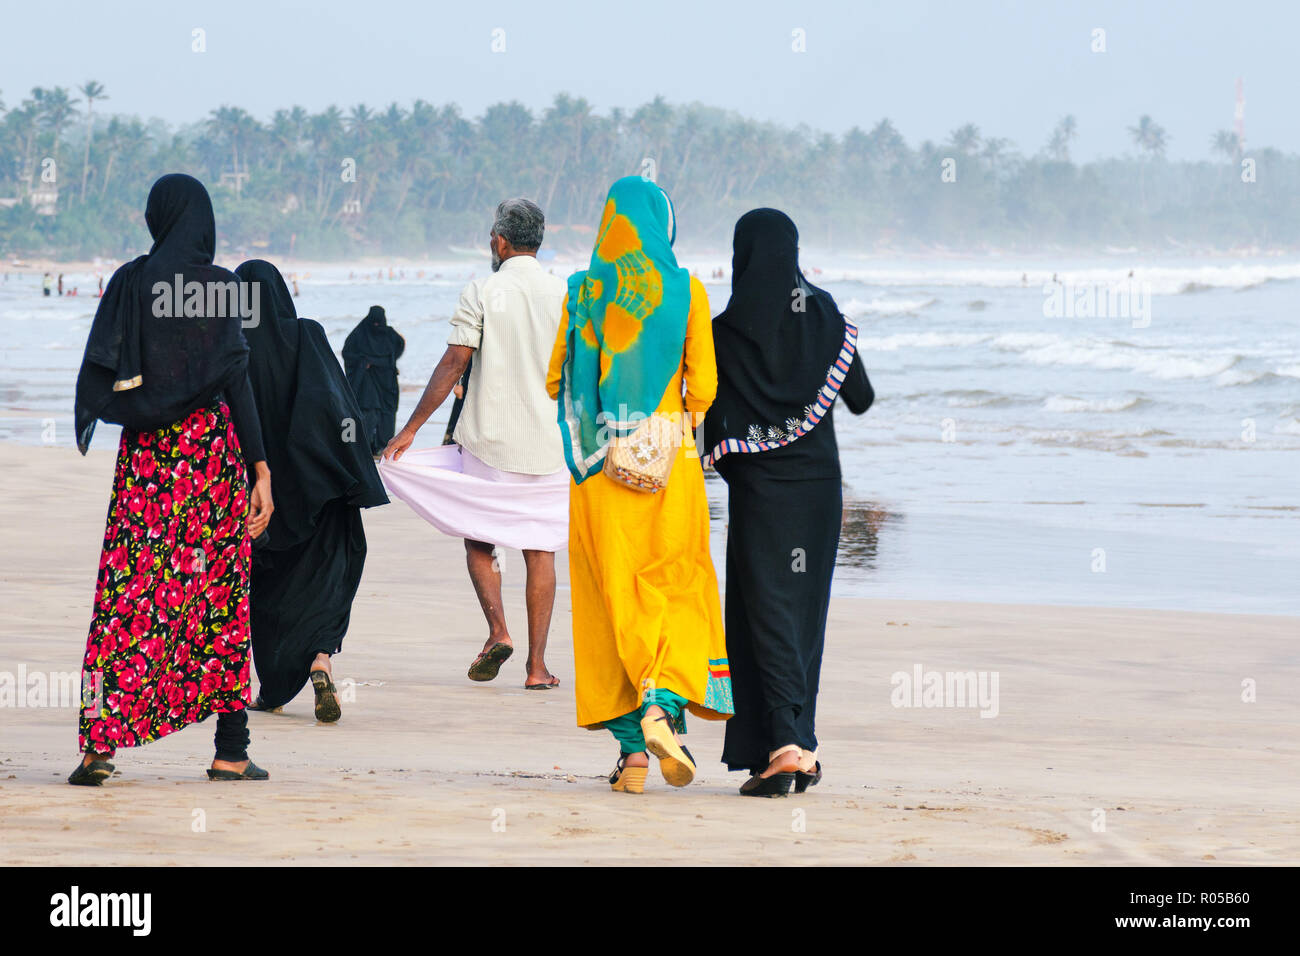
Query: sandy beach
[[1121, 736]]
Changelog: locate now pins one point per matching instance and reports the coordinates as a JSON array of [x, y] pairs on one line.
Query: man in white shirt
[[507, 431]]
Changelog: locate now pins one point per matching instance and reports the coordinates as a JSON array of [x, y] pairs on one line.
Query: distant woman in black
[[307, 570], [370, 355], [785, 353]]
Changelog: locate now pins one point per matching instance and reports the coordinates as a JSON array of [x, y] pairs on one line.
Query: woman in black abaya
[[370, 355], [785, 353], [306, 571]]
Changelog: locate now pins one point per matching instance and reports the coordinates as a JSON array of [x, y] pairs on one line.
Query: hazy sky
[[1011, 68]]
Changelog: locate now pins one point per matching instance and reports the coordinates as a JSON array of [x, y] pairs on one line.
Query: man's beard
[[496, 260]]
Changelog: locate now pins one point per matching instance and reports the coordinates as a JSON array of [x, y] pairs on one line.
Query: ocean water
[[1022, 448]]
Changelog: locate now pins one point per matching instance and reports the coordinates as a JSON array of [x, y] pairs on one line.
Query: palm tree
[[653, 121], [55, 109], [237, 127], [995, 147], [965, 139], [91, 91], [561, 135], [284, 137], [885, 142], [24, 122], [324, 130], [359, 123], [126, 139], [1227, 143], [1149, 135], [1065, 133]]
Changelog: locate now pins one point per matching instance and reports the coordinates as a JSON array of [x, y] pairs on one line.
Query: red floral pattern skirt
[[169, 643]]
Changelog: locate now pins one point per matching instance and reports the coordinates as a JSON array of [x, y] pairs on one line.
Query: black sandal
[[251, 772], [488, 664], [327, 701], [777, 785], [91, 775], [802, 780]]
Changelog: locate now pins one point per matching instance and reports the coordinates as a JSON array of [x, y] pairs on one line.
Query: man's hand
[[261, 506], [400, 443], [450, 368]]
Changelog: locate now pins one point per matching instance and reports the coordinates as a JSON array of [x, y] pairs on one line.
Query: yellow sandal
[[675, 761], [626, 779]]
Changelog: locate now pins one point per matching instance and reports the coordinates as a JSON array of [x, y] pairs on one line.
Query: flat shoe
[[777, 785], [327, 699], [93, 775], [488, 664], [251, 772], [805, 779]]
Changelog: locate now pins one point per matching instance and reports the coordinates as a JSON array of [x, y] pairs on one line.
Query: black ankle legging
[[232, 736]]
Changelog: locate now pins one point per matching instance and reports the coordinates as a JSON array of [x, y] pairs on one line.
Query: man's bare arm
[[450, 368]]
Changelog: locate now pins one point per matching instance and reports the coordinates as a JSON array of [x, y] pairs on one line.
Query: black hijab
[[778, 343], [143, 370], [373, 345], [373, 340], [315, 444]]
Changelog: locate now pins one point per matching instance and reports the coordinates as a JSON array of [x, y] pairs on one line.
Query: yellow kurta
[[646, 612]]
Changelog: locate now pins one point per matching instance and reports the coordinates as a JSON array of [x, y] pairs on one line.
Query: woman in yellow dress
[[648, 636]]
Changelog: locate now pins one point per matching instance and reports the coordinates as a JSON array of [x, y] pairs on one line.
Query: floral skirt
[[169, 642]]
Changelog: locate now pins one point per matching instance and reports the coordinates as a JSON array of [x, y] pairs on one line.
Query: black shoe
[[802, 781], [92, 775], [328, 710], [777, 785], [251, 772]]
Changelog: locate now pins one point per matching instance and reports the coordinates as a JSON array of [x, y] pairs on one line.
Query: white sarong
[[463, 497]]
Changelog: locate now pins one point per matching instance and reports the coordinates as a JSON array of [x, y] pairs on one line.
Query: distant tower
[[1239, 113]]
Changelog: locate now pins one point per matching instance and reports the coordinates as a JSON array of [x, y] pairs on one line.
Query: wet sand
[[1128, 719]]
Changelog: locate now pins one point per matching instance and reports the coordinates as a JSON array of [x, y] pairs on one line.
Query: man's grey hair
[[521, 223]]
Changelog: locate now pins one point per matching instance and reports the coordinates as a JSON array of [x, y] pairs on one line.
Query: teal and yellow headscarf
[[627, 324]]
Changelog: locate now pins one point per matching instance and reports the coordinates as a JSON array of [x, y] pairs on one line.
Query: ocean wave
[[922, 340], [885, 306], [1237, 376], [1162, 280], [1092, 353], [1068, 403], [978, 398]]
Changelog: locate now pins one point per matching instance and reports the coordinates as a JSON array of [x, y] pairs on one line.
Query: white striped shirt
[[510, 318]]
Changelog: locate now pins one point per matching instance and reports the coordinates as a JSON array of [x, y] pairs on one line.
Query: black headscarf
[[311, 426], [776, 340], [143, 370]]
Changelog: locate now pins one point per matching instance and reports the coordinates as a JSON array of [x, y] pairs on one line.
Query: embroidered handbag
[[644, 459]]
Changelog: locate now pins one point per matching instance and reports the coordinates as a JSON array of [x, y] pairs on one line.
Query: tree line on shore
[[413, 180]]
